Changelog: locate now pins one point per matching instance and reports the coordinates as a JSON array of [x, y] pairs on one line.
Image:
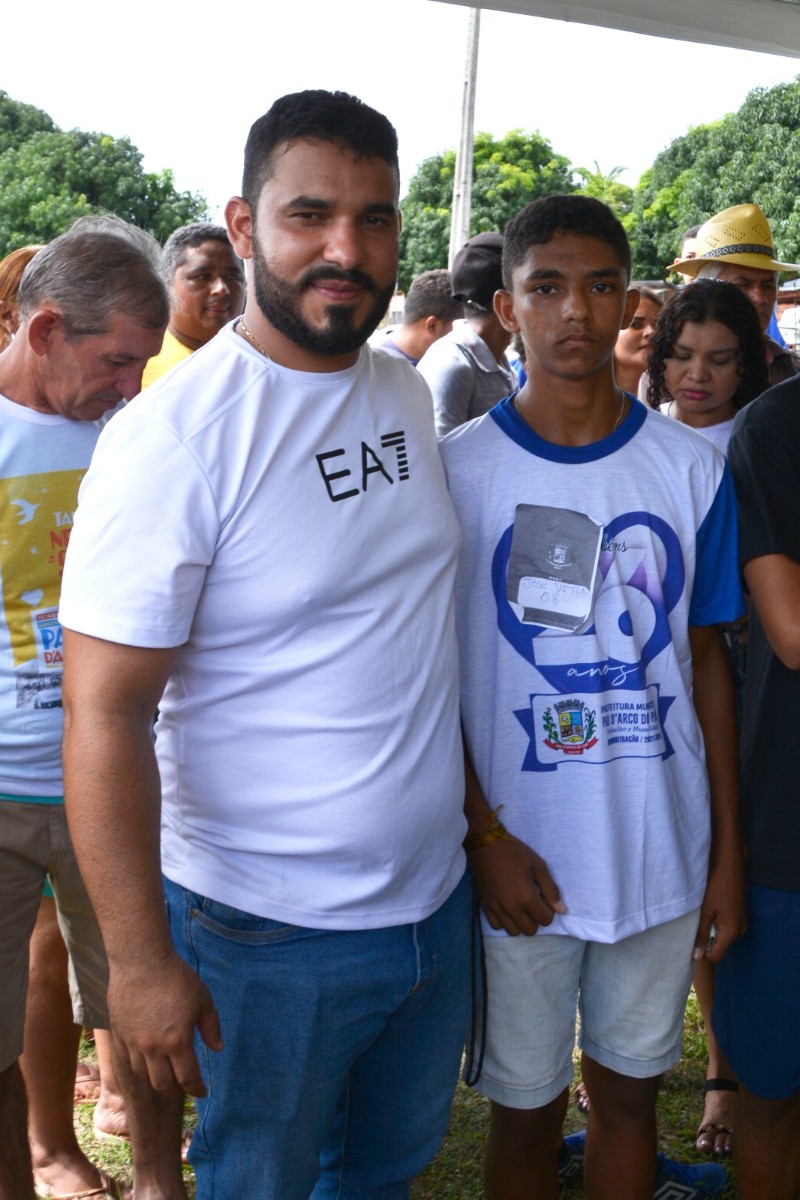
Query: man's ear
[[239, 219], [631, 304], [504, 308], [40, 328]]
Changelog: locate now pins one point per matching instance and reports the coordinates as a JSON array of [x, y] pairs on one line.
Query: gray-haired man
[[92, 311]]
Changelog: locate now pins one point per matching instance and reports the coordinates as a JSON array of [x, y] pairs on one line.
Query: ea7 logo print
[[360, 466], [573, 731]]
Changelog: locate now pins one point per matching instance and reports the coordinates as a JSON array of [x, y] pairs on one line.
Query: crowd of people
[[291, 621]]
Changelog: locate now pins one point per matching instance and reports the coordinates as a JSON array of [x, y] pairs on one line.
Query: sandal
[[710, 1131], [108, 1189]]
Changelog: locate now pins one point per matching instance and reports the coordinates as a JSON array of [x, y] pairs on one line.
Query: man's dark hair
[[187, 238], [101, 266], [315, 116], [431, 295], [542, 219], [710, 300], [691, 232]]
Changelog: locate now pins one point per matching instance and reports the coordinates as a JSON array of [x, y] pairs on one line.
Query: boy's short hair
[[542, 219]]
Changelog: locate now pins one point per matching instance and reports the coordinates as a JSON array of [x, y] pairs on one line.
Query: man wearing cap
[[737, 246], [467, 371]]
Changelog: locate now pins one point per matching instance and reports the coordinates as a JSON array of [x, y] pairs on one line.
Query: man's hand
[[154, 1008], [723, 907], [515, 888]]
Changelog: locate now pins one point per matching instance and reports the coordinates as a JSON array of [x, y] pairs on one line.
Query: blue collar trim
[[512, 424]]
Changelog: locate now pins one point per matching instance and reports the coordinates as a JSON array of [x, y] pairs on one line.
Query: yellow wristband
[[484, 837]]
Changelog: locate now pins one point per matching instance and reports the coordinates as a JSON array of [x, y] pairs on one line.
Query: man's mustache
[[338, 275]]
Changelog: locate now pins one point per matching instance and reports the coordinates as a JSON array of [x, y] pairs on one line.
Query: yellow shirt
[[172, 352]]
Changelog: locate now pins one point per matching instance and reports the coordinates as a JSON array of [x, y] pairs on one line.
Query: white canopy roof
[[771, 26]]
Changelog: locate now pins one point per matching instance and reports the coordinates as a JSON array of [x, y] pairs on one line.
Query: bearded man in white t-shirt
[[265, 550]]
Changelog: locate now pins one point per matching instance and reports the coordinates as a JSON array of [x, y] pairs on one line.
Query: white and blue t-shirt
[[582, 569], [43, 458]]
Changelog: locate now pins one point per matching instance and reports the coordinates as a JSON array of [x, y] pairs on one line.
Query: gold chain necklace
[[621, 410], [252, 339]]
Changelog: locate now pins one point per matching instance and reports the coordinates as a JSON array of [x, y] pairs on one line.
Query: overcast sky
[[185, 86]]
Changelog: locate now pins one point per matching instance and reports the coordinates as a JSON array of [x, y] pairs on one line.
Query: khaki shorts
[[34, 842], [631, 996]]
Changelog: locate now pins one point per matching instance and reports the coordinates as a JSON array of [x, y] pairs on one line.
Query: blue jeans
[[341, 1050]]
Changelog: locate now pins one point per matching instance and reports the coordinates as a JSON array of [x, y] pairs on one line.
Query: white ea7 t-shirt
[[292, 533]]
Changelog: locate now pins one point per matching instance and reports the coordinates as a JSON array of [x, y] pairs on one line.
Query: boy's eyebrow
[[554, 273]]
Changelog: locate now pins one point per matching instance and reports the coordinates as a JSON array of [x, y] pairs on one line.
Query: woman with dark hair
[[633, 343], [706, 362], [707, 357]]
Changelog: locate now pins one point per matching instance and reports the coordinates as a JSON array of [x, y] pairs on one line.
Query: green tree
[[52, 176], [507, 174], [606, 187], [19, 121], [750, 156], [663, 205]]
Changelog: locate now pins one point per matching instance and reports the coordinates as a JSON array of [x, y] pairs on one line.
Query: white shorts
[[631, 996]]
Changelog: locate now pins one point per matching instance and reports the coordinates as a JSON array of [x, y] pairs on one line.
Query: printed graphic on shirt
[[552, 565], [591, 700], [363, 466], [36, 514]]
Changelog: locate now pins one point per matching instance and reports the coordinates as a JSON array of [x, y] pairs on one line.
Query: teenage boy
[[599, 556]]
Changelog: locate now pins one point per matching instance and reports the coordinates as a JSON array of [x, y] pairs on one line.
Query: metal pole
[[462, 183]]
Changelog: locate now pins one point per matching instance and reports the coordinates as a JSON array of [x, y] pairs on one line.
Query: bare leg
[[766, 1150], [154, 1122], [48, 1064], [109, 1115], [16, 1176], [621, 1143], [520, 1153], [720, 1106]]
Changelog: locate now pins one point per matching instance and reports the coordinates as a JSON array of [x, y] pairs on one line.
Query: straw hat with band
[[738, 235]]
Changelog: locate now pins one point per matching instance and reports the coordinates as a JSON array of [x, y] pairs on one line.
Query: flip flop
[[708, 1134], [709, 1131], [108, 1189]]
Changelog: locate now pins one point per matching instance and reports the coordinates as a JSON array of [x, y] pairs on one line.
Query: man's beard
[[280, 303]]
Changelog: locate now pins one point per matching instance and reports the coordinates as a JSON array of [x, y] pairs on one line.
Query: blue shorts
[[755, 1001], [341, 1049]]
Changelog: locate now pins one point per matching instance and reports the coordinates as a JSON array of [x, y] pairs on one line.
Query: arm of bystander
[[113, 800]]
